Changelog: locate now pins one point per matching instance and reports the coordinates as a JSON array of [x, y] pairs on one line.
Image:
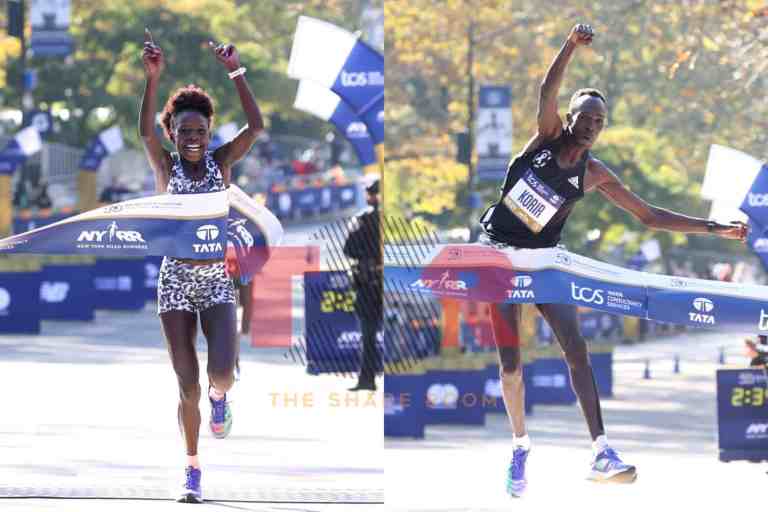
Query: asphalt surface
[[665, 425]]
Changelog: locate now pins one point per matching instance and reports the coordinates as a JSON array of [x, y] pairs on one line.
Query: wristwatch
[[711, 225]]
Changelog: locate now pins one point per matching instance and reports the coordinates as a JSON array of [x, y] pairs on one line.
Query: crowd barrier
[[71, 287], [313, 201]]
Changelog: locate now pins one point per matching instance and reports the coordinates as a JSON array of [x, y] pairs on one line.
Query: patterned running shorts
[[194, 288]]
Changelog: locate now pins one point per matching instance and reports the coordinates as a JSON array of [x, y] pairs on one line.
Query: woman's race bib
[[533, 202]]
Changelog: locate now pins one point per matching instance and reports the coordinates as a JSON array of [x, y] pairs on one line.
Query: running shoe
[[221, 418], [191, 492], [608, 467], [516, 482]]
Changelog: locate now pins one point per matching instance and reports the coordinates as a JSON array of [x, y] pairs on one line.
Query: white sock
[[215, 394], [600, 444], [193, 461], [523, 442]]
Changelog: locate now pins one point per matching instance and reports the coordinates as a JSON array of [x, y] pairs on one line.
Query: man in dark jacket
[[363, 246]]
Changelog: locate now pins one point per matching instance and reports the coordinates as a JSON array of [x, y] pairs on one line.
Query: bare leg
[[180, 328]]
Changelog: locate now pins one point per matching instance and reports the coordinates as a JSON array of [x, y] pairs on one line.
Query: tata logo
[[542, 158], [110, 235], [5, 300], [757, 199], [588, 295], [207, 248], [361, 78], [357, 130], [521, 283], [442, 396], [703, 306], [756, 430], [763, 323], [54, 291], [443, 283], [207, 232]]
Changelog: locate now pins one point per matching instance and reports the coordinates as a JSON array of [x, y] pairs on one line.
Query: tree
[[105, 74]]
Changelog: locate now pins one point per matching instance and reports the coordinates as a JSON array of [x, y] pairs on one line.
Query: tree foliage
[[679, 76], [106, 70]]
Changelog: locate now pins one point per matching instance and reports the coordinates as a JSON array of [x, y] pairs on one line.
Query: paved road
[[665, 425], [90, 410]]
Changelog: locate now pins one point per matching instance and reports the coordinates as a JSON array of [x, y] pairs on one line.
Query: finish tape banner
[[483, 273], [194, 226]]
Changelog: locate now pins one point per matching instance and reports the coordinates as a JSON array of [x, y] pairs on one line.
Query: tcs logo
[[757, 200], [588, 295], [361, 78]]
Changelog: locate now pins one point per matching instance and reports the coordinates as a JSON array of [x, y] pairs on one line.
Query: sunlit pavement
[[90, 408], [665, 425]]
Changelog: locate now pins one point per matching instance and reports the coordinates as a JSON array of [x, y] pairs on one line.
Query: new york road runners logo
[[111, 238]]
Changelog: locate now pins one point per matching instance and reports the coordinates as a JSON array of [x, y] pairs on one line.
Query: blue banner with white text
[[361, 84]]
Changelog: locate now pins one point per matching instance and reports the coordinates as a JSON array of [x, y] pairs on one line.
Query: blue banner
[[42, 120], [181, 225], [455, 397], [20, 302], [742, 414], [21, 225], [313, 201], [11, 157], [361, 84], [483, 273], [405, 413], [66, 292], [95, 152], [706, 310], [494, 398], [356, 132], [755, 204], [757, 240], [119, 284], [151, 271], [493, 133], [551, 383]]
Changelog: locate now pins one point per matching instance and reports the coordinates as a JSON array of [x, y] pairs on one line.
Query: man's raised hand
[[581, 35]]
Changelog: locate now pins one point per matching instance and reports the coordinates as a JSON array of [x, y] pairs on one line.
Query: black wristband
[[711, 225]]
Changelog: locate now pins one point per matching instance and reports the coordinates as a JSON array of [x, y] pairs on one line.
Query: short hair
[[190, 97], [587, 91]]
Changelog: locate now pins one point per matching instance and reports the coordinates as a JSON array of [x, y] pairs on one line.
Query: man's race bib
[[533, 202]]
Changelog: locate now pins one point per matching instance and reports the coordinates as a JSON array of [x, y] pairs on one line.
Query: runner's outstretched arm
[[601, 177], [549, 121], [231, 152]]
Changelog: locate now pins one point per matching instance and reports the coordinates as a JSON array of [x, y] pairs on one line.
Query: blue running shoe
[[192, 492], [608, 467], [221, 418], [516, 481]]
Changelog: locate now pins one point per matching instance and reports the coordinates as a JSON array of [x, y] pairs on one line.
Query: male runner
[[541, 187]]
